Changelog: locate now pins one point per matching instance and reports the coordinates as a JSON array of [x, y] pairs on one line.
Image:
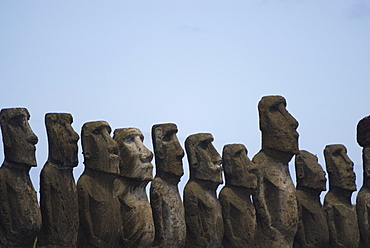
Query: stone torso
[[100, 224], [363, 214], [59, 208], [239, 218], [203, 217], [345, 222], [136, 214], [168, 213], [277, 196], [20, 215], [312, 229]]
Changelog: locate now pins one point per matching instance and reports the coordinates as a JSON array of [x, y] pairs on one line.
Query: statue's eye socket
[[167, 137], [96, 131], [237, 154], [130, 139], [336, 153], [15, 121], [274, 108], [204, 145]]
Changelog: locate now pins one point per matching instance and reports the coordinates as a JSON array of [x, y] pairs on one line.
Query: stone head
[[167, 149], [339, 167], [18, 137], [363, 132], [309, 172], [136, 157], [62, 139], [237, 167], [204, 160], [99, 149], [278, 127]]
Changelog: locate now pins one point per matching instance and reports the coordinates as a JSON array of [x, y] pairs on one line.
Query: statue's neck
[[342, 195], [17, 167], [283, 157], [168, 177], [58, 165], [207, 185], [133, 184], [315, 193], [240, 189]]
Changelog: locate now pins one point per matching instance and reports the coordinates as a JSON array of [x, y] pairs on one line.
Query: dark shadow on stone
[[363, 197]]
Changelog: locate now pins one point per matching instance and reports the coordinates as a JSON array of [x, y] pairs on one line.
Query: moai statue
[[340, 214], [99, 211], [20, 216], [136, 172], [238, 211], [311, 181], [275, 200], [168, 210], [58, 191], [203, 215], [363, 197]]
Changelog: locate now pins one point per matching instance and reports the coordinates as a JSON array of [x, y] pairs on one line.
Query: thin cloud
[[359, 10]]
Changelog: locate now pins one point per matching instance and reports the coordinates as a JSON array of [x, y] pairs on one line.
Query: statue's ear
[[158, 143], [327, 156], [299, 167], [86, 147], [192, 158]]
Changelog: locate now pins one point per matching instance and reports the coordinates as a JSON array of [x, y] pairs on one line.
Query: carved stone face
[[19, 140], [203, 158], [236, 166], [339, 167], [309, 172], [62, 139], [136, 158], [167, 149], [99, 149], [277, 125]]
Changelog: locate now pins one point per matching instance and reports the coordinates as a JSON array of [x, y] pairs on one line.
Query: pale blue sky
[[203, 65]]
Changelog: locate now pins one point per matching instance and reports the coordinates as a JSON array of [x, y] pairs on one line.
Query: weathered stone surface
[[99, 211], [238, 212], [168, 210], [136, 171], [275, 200], [20, 216], [363, 197], [203, 215], [58, 191], [340, 214], [311, 181]]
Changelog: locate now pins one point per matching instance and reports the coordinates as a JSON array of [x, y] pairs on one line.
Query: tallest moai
[[275, 199]]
